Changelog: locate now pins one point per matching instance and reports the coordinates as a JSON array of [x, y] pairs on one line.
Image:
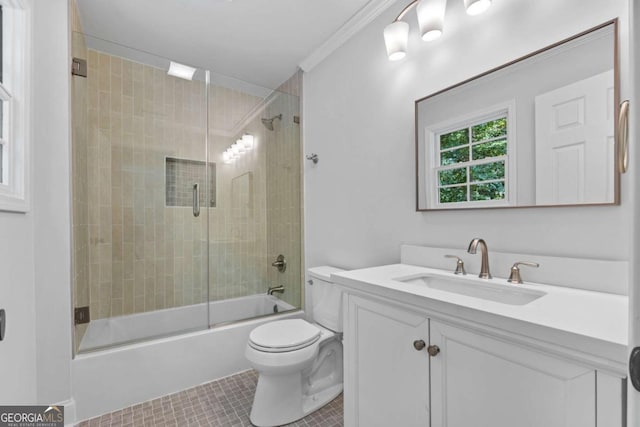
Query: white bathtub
[[114, 378], [104, 333]]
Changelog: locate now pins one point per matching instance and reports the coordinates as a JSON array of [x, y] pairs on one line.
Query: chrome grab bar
[[196, 200]]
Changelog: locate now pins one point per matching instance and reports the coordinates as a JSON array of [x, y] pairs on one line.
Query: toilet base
[[279, 400], [318, 400], [285, 398]]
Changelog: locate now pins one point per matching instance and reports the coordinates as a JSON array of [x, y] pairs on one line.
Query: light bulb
[[227, 157], [476, 7], [396, 36], [431, 18], [247, 141]]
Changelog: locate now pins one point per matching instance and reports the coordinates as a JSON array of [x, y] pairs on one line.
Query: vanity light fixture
[[430, 19], [227, 157], [235, 150], [240, 146], [181, 71], [247, 140]]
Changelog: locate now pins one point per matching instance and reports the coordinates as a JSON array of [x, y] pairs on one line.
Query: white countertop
[[592, 322]]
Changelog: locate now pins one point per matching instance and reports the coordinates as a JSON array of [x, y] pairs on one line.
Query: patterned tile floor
[[223, 403]]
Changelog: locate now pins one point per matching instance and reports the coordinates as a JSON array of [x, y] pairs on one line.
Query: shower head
[[268, 123]]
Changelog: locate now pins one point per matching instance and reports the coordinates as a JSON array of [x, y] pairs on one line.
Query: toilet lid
[[284, 335]]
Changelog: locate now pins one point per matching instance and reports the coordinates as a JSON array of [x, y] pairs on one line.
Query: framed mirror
[[538, 131]]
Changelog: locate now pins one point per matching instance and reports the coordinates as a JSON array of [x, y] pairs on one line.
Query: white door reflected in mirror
[[575, 143]]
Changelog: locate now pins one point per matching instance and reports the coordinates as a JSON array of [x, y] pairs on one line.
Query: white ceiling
[[258, 41]]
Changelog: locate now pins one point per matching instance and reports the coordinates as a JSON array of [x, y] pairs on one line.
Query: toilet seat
[[284, 336]]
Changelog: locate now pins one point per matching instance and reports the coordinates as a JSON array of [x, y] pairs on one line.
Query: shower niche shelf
[[180, 177]]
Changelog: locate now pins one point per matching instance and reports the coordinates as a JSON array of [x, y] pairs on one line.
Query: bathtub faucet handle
[[275, 289], [280, 263]]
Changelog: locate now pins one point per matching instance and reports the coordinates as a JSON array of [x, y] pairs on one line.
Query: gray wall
[[51, 200]]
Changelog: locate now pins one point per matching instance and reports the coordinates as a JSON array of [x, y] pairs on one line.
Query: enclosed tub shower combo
[[186, 221]]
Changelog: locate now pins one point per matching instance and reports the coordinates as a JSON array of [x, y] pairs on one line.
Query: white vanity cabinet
[[481, 381], [477, 379], [386, 380]]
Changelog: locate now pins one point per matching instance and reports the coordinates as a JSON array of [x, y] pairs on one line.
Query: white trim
[[4, 93], [357, 22], [69, 412], [5, 139], [14, 196], [480, 116]]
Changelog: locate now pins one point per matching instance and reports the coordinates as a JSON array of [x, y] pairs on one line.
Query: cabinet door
[[480, 381], [386, 378]]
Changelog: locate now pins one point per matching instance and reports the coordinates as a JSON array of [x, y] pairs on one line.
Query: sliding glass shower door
[[186, 197], [258, 218]]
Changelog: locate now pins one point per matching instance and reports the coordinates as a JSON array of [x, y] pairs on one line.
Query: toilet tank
[[326, 298]]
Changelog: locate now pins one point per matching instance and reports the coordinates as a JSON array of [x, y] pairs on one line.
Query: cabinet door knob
[[419, 344], [433, 350]]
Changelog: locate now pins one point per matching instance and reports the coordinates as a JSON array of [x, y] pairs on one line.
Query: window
[[471, 161], [13, 106]]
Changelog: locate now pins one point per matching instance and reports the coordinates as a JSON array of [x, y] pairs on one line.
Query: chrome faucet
[[484, 267], [275, 289]]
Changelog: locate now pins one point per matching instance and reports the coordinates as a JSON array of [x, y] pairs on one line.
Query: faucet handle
[[514, 277], [459, 264]]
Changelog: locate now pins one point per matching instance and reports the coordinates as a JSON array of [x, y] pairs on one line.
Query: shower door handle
[[196, 200]]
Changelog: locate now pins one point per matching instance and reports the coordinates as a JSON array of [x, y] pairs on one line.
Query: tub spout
[[276, 289]]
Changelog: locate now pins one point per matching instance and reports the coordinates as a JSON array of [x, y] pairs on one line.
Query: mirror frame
[[616, 102]]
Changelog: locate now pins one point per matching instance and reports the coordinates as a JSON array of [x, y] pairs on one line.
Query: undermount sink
[[475, 288]]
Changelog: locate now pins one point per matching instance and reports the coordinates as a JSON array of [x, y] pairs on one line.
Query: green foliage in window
[[453, 194], [453, 176], [487, 191], [487, 171], [470, 181], [488, 130], [454, 156], [489, 149], [453, 139]]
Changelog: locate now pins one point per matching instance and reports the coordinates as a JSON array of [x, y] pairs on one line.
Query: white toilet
[[299, 363]]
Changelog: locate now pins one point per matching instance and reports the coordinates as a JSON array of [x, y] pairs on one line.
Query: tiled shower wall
[[132, 253], [142, 255]]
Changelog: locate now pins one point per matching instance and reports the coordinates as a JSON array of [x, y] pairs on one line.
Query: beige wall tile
[[132, 253]]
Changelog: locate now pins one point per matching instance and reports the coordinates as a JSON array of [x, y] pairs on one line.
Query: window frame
[[506, 109], [14, 90]]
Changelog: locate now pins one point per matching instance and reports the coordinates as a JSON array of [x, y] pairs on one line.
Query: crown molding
[[357, 22]]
